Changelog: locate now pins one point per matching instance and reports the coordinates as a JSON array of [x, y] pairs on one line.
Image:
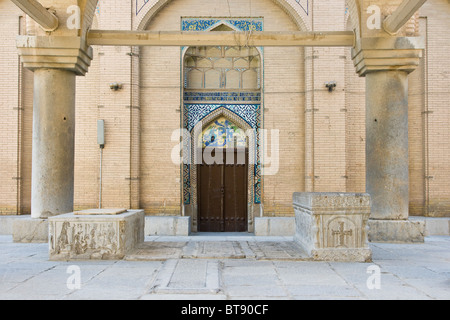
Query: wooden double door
[[222, 193]]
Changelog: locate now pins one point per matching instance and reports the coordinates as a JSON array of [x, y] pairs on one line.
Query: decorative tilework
[[223, 133], [246, 107], [245, 97], [202, 24], [249, 114], [196, 112]]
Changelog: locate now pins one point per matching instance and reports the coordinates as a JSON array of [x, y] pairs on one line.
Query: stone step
[[258, 250]]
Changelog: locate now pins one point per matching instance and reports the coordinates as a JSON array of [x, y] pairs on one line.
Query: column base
[[167, 226], [275, 226], [396, 231], [30, 230]]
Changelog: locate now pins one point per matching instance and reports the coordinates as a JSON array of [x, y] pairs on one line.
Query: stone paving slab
[[110, 211], [188, 277], [213, 250], [260, 250], [156, 251], [407, 272]]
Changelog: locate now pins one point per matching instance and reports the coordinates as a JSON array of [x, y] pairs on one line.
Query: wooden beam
[[221, 38], [47, 20], [401, 16]]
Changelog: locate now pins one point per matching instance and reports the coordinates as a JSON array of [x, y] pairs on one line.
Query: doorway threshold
[[222, 234]]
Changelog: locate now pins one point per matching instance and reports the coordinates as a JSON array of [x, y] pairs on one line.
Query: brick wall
[[322, 134], [160, 103], [10, 110], [437, 117]]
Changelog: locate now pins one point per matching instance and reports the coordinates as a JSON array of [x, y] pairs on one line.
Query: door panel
[[211, 198], [222, 191], [235, 204]]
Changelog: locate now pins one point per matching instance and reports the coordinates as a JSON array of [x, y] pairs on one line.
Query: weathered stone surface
[[333, 226], [167, 226], [274, 226], [156, 251], [403, 231], [213, 249], [95, 237], [52, 182], [100, 212], [387, 157], [6, 223], [30, 230], [188, 277], [434, 226]]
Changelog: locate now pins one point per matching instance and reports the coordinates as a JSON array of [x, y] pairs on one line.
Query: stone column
[[386, 63], [387, 170], [53, 142], [55, 61]]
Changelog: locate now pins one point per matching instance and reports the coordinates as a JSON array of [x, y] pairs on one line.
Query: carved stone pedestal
[[86, 237], [333, 226]]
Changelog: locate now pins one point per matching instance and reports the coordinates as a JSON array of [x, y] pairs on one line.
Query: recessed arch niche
[[222, 83]]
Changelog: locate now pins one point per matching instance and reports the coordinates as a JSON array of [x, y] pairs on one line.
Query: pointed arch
[[195, 159], [290, 7], [354, 16]]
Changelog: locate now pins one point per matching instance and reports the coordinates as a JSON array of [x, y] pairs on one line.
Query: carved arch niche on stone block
[[340, 232]]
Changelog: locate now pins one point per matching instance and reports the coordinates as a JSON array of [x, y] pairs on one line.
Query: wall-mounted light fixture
[[331, 85], [115, 86]]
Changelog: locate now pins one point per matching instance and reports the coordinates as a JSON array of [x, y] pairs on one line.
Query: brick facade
[[322, 133]]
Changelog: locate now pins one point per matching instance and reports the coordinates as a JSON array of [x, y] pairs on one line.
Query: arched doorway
[[227, 82], [222, 177]]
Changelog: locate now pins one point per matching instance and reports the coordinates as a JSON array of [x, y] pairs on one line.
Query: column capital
[[373, 54], [55, 52]]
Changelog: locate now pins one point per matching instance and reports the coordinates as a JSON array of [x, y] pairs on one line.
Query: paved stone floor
[[227, 267]]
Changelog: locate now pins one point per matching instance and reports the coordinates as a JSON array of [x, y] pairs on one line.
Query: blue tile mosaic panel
[[242, 97], [202, 24], [245, 105], [250, 113]]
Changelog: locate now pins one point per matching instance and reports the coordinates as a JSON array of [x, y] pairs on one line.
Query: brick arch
[[88, 8], [290, 7], [354, 16]]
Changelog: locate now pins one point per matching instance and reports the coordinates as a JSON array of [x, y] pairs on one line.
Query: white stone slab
[[111, 211], [30, 230], [167, 226], [333, 226], [274, 226], [397, 231], [86, 237], [188, 277]]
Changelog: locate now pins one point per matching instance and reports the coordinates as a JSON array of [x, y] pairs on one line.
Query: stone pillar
[[386, 63], [55, 61], [53, 142], [387, 174]]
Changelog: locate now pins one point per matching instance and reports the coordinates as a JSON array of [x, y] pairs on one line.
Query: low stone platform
[[274, 226], [397, 231], [167, 226], [333, 226], [255, 250], [86, 237], [30, 230]]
